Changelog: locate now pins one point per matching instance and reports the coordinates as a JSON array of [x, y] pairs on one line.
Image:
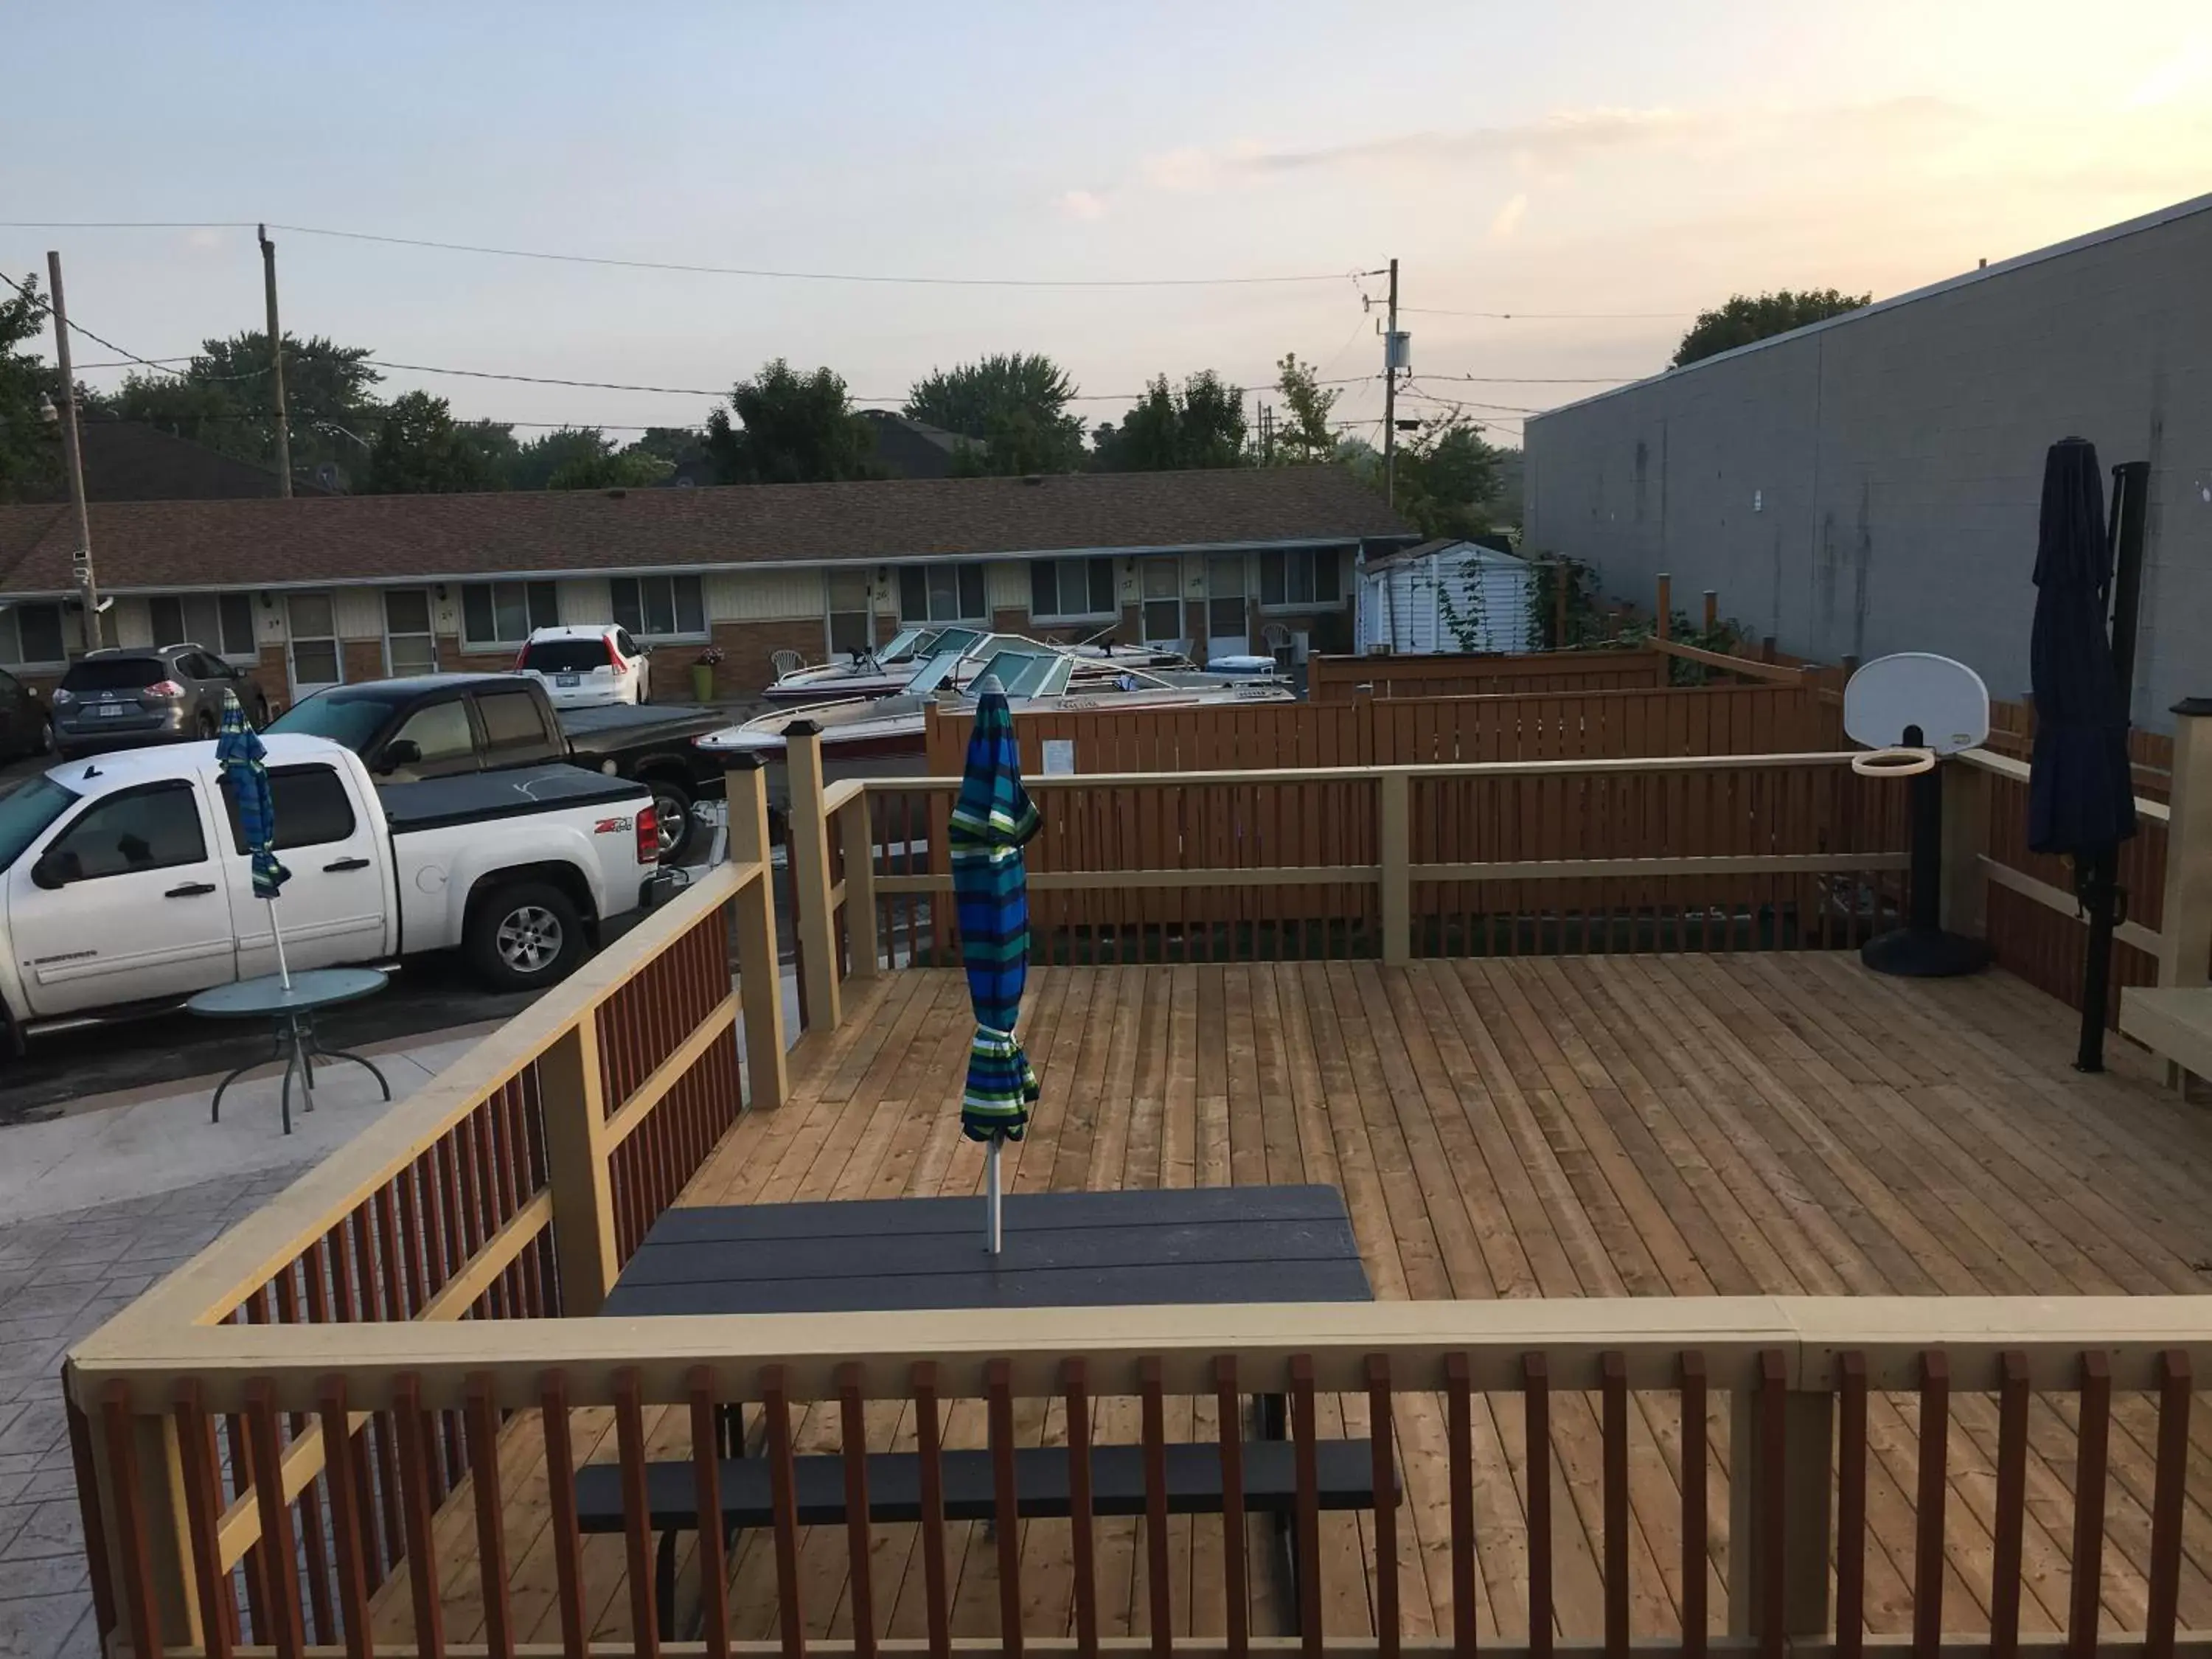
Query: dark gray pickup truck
[[437, 726]]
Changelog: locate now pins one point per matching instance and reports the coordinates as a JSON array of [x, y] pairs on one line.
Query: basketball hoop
[[1893, 763]]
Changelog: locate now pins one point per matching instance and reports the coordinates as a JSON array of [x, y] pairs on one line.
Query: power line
[[76, 327], [760, 273], [1549, 316]]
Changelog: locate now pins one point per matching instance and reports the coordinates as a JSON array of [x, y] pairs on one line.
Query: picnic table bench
[[1216, 1245]]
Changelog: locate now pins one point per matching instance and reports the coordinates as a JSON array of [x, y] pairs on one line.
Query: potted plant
[[702, 673]]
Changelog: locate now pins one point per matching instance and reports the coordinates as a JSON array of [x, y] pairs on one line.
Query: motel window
[[942, 593], [506, 613], [660, 607], [1301, 576], [33, 633], [1072, 587], [220, 622]]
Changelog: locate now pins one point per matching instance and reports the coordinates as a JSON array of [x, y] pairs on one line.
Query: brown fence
[[1340, 679], [1766, 851], [1717, 719]]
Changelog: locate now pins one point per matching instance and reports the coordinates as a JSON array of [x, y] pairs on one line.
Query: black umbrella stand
[[2097, 870]]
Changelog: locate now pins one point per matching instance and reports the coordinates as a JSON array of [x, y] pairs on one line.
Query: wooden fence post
[[1965, 838], [810, 874], [1561, 577], [760, 975], [2185, 932], [1664, 619], [1713, 615], [156, 1504], [857, 827], [1808, 1477], [1393, 838], [573, 1106]]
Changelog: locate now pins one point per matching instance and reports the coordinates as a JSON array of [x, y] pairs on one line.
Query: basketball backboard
[[1945, 699]]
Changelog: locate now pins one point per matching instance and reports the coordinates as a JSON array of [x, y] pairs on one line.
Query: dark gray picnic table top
[[1127, 1248]]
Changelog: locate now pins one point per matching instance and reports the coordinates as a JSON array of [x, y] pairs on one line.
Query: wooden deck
[[1633, 1125]]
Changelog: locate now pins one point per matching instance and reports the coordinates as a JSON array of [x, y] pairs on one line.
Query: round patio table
[[291, 1010]]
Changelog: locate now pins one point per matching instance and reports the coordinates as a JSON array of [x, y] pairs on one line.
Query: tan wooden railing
[[1340, 679], [1778, 1497]]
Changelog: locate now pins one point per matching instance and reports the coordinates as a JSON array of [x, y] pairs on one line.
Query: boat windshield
[[934, 674], [958, 641], [1026, 673], [907, 643]]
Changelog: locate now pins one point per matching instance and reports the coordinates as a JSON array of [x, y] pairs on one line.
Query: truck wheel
[[672, 810], [524, 936]]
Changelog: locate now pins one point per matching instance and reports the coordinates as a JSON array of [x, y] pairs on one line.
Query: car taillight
[[649, 834], [165, 688], [521, 658], [614, 657]]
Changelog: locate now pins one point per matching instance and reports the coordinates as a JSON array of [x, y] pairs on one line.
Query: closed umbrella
[[991, 822], [239, 751], [2080, 794]]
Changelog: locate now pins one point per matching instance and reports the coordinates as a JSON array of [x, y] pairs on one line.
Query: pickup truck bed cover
[[593, 729], [472, 796]]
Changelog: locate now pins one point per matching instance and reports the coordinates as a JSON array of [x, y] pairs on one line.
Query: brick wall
[[274, 671], [1006, 620], [746, 647]]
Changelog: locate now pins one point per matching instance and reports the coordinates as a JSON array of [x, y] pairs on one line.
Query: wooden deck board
[[1608, 1125]]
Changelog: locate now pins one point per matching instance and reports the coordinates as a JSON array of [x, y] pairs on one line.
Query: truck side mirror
[[400, 751], [56, 869]]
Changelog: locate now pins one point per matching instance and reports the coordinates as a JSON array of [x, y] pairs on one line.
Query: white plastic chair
[[786, 661], [1277, 638]]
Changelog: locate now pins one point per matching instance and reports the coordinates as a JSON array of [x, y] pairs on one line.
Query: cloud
[[1082, 204], [1507, 220], [1189, 168]]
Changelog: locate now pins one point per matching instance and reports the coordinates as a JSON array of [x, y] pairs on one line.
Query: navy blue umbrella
[[2080, 793]]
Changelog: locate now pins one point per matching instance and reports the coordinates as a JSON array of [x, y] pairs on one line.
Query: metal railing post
[[810, 874], [760, 968]]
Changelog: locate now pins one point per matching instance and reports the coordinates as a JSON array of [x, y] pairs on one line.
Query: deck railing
[[1720, 852], [1783, 1422]]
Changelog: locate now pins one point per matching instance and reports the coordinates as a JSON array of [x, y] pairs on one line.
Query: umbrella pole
[[993, 1236], [276, 933]]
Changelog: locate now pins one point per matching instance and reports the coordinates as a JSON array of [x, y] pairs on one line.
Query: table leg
[[276, 1053], [303, 1042], [1273, 1413]]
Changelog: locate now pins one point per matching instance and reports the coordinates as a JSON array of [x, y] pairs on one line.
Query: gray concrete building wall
[[1871, 483]]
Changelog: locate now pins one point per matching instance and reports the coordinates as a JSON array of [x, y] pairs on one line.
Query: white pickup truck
[[126, 885]]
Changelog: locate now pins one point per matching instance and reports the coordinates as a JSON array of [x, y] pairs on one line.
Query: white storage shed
[[1445, 596]]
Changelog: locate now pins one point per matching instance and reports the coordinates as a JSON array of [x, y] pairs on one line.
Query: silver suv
[[121, 698]]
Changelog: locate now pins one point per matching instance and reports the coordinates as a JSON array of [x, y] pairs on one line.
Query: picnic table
[[1132, 1249]]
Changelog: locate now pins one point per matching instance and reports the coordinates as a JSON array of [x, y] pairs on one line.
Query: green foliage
[[1447, 477], [1585, 622], [626, 469], [1200, 425], [225, 399], [1307, 436], [421, 449], [538, 461], [1468, 615], [1014, 406], [790, 429], [30, 449], [1745, 319]]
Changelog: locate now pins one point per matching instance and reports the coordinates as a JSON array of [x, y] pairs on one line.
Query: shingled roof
[[168, 544]]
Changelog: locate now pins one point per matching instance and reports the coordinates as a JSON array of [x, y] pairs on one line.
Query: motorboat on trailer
[[1033, 677], [885, 671]]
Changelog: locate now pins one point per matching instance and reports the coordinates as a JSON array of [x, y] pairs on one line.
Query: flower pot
[[702, 682]]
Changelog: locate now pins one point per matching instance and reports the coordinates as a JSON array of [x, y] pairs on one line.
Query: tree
[[225, 399], [624, 468], [1015, 406], [538, 461], [30, 449], [1447, 477], [422, 450], [790, 429], [1744, 319], [1307, 436], [1200, 425]]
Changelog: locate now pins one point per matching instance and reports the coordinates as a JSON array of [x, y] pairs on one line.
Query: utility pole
[[276, 363], [1390, 395], [73, 456]]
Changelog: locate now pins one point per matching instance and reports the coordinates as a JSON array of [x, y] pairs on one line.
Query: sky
[[1599, 171]]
